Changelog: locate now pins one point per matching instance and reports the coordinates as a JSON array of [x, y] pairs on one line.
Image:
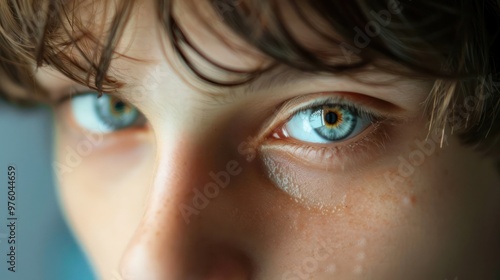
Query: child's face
[[243, 184]]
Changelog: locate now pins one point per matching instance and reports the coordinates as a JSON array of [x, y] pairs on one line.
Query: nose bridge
[[162, 242], [169, 241]]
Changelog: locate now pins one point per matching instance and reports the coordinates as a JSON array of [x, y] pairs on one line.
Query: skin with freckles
[[210, 186]]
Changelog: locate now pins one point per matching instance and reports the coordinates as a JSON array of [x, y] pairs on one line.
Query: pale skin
[[354, 214]]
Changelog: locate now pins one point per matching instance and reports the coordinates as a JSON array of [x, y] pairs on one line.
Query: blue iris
[[115, 113]]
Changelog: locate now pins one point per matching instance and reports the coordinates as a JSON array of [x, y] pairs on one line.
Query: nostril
[[228, 266]]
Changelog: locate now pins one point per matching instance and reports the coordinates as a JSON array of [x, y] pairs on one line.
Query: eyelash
[[374, 117]]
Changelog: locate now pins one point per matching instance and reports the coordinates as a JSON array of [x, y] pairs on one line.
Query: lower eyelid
[[309, 187], [336, 156]]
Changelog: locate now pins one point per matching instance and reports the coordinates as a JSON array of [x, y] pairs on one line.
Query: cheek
[[103, 185], [392, 218], [290, 238], [424, 209]]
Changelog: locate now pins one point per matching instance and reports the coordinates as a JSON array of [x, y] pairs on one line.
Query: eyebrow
[[275, 78], [286, 76], [278, 77]]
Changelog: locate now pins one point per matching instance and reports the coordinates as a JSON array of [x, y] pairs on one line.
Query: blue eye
[[105, 114], [326, 124]]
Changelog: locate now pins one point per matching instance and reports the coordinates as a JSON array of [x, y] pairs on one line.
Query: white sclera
[[85, 114]]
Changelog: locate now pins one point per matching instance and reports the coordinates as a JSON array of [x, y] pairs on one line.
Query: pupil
[[120, 106], [331, 118]]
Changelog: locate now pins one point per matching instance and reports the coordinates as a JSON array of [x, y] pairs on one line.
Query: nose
[[176, 239]]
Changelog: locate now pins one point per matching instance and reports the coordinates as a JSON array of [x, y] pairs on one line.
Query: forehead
[[144, 46], [205, 37], [144, 49], [206, 40]]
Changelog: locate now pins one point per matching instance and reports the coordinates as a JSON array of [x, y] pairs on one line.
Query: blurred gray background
[[45, 249]]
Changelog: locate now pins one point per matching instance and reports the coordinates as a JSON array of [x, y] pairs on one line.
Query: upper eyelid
[[72, 93], [337, 101], [367, 103]]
